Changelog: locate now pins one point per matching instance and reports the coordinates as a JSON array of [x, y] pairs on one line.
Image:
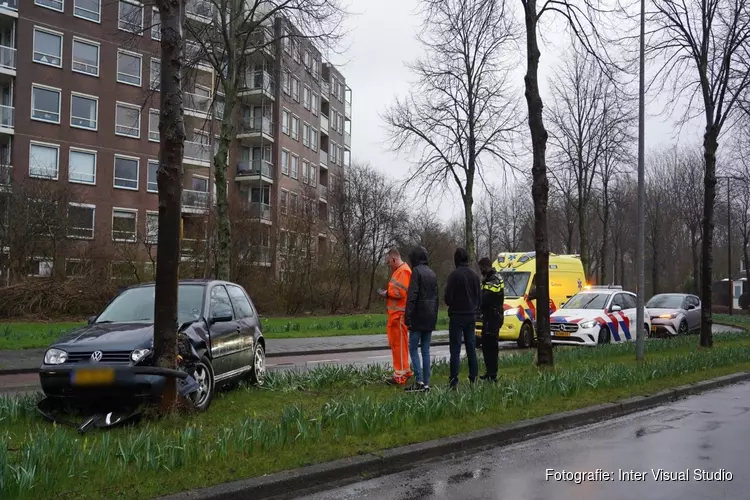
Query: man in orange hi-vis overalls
[[398, 334]]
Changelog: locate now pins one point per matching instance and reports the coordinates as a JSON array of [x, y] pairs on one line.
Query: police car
[[597, 315]]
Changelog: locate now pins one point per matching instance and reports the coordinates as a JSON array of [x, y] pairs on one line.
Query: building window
[[287, 42], [76, 268], [295, 128], [88, 9], [285, 78], [341, 124], [296, 52], [131, 16], [152, 185], [85, 57], [295, 89], [294, 167], [81, 221], [313, 139], [84, 111], [126, 172], [155, 24], [306, 135], [44, 160], [40, 268], [152, 227], [283, 200], [155, 74], [333, 119], [333, 152], [305, 171], [153, 125], [45, 104], [306, 92], [124, 224], [50, 4], [128, 120], [48, 47], [285, 162], [293, 203], [315, 103], [316, 67], [285, 121], [82, 166], [129, 68], [313, 175], [340, 151], [308, 59]]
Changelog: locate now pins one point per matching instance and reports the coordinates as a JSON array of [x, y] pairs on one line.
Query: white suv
[[598, 315]]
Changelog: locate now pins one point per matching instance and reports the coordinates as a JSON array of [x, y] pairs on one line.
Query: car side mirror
[[615, 308], [92, 319], [221, 318], [690, 307]]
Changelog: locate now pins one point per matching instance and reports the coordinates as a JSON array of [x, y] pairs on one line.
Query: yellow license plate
[[99, 376], [562, 334]]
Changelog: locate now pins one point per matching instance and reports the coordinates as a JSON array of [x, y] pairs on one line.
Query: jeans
[[462, 326], [422, 373], [490, 330]]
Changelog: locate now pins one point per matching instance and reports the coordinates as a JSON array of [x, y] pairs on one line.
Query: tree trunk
[[469, 222], [582, 239], [221, 164], [169, 181], [696, 261], [654, 266], [540, 185], [605, 230], [710, 145]]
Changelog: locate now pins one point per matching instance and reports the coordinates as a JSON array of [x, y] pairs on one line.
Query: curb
[[349, 470]]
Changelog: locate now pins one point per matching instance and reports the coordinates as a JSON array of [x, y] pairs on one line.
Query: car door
[[694, 314], [224, 330], [630, 309], [248, 323]]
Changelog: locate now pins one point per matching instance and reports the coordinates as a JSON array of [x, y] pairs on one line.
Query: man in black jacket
[[493, 296], [462, 295], [421, 316]]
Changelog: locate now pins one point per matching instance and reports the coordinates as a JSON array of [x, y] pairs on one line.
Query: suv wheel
[[526, 336]]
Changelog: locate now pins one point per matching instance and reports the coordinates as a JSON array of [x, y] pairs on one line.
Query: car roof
[[605, 291], [199, 281]]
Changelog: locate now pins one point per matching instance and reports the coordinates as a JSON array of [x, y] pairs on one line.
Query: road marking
[[324, 361]]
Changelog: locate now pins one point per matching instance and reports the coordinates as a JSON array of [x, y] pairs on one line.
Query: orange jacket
[[397, 289]]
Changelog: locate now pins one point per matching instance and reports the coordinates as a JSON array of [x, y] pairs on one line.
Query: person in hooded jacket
[[462, 296], [421, 316]]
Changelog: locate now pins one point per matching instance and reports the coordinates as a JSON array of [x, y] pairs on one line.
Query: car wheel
[[204, 375], [258, 373], [526, 336], [683, 330], [604, 337]]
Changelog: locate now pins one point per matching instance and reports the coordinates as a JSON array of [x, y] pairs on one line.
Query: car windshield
[[587, 301], [515, 283], [665, 302], [136, 305]]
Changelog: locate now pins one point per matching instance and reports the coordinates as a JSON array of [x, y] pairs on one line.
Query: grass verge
[[329, 413], [40, 335]]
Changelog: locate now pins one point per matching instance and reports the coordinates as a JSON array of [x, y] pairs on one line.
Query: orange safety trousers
[[398, 334]]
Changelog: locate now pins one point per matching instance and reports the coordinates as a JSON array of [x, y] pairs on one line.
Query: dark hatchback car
[[104, 360]]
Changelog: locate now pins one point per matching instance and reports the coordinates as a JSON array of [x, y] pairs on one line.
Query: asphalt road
[[705, 434]]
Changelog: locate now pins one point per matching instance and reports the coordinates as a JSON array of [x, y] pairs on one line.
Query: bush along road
[[329, 413]]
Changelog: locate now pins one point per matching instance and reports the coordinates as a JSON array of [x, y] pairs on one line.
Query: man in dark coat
[[493, 297], [421, 317], [462, 296]]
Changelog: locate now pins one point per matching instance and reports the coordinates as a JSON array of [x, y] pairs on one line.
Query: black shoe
[[484, 378], [416, 387]]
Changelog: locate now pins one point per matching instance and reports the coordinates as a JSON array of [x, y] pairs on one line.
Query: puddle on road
[[652, 429]]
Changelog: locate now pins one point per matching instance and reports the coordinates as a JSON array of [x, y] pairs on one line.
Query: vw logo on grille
[[97, 356]]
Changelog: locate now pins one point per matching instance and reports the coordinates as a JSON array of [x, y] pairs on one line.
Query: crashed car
[[110, 362], [674, 314]]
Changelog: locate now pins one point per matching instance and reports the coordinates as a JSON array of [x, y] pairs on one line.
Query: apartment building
[[79, 82]]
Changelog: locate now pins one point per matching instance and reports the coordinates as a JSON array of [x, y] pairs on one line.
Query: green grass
[[329, 413], [40, 335]]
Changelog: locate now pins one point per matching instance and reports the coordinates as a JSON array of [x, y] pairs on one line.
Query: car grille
[[116, 357], [563, 327]]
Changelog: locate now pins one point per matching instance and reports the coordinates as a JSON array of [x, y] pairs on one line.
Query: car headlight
[[587, 324], [510, 312], [55, 357], [668, 316], [139, 354]]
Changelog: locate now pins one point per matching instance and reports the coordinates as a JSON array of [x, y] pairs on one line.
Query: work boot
[[416, 387]]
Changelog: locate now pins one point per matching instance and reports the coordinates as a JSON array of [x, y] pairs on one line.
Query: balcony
[[194, 201], [348, 140], [255, 169], [255, 127], [198, 152], [197, 104], [260, 211], [262, 255], [261, 39], [201, 10], [323, 192], [348, 110], [8, 58], [6, 174], [324, 123], [6, 119], [325, 90], [9, 8], [258, 83]]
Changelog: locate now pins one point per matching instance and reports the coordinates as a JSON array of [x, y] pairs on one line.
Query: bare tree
[[459, 118], [686, 180], [701, 47]]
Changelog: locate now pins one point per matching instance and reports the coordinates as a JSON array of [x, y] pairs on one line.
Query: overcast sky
[[382, 39]]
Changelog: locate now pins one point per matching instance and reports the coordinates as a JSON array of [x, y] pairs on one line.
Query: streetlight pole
[[729, 248], [640, 243]]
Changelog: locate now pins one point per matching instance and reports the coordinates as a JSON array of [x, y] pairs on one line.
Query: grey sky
[[382, 40]]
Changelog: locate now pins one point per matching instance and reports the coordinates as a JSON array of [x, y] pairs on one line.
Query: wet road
[[708, 432]]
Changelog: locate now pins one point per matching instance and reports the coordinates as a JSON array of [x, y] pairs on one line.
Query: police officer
[[493, 296]]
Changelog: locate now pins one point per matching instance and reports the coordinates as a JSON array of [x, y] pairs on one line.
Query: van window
[[515, 283]]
